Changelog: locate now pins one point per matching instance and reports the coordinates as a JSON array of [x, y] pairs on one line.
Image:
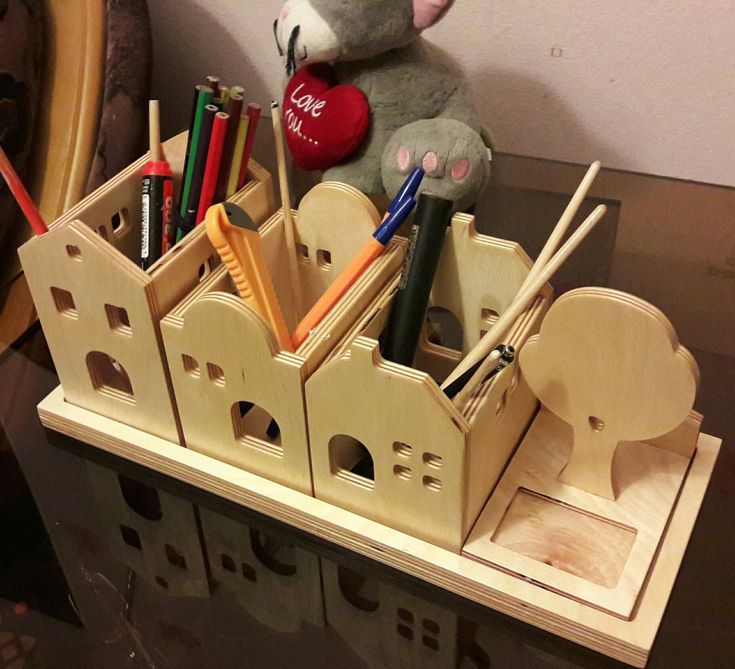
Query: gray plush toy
[[418, 111]]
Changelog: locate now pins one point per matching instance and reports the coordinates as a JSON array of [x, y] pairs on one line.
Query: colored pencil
[[214, 159], [21, 195], [203, 98], [200, 163], [253, 112], [234, 109], [213, 83], [240, 139]]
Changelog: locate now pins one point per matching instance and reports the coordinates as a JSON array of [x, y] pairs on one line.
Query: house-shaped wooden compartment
[[101, 312], [241, 398], [386, 442]]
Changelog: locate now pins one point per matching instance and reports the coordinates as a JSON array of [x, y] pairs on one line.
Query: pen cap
[[409, 305], [395, 219], [409, 189], [157, 169]]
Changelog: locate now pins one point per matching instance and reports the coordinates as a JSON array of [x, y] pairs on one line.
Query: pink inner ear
[[427, 12]]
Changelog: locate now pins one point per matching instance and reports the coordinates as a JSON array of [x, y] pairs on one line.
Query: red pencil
[[214, 158], [253, 112], [21, 195]]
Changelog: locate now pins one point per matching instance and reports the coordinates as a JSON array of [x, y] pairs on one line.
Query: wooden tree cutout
[[610, 365]]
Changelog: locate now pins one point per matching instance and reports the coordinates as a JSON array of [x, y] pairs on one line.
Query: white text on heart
[[308, 102]]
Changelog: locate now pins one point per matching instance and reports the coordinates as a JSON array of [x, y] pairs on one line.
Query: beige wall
[[643, 85]]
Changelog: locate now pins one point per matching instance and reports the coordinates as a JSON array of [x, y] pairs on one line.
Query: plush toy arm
[[451, 153]]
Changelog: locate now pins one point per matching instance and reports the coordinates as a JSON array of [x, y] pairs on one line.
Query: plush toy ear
[[427, 12]]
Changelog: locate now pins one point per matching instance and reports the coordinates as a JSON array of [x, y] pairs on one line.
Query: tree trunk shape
[[590, 466]]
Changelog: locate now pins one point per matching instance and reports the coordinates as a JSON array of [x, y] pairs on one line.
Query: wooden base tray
[[627, 640]]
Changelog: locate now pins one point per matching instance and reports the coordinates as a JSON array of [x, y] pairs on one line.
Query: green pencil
[[203, 99]]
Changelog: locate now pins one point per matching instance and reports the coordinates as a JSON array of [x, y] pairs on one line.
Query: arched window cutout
[[141, 498], [350, 460], [444, 329], [109, 377], [358, 590], [272, 553], [253, 426], [120, 223]]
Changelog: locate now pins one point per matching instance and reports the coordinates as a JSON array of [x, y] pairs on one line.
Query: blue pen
[[409, 188]]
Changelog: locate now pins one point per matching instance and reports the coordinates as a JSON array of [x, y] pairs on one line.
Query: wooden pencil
[[234, 109], [253, 113], [235, 163], [21, 195], [212, 168]]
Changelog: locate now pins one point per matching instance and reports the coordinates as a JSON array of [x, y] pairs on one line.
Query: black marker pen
[[407, 315]]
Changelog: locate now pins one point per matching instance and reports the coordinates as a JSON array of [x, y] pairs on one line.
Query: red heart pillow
[[325, 123]]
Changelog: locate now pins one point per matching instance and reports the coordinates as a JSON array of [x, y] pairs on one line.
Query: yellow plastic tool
[[235, 236]]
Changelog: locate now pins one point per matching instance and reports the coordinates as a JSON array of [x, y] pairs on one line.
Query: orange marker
[[365, 256], [236, 238]]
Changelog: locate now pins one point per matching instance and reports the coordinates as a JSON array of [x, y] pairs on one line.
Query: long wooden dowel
[[522, 301], [288, 223], [548, 250], [562, 225], [154, 130]]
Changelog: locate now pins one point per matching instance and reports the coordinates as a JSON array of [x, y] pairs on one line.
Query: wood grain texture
[[433, 466], [221, 353], [629, 641], [66, 135], [565, 538], [649, 480], [610, 365]]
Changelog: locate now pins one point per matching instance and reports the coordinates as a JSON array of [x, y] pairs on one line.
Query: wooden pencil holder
[[241, 399], [100, 312], [386, 442]]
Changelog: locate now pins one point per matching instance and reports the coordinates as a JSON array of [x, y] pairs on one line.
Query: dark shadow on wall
[[187, 48]]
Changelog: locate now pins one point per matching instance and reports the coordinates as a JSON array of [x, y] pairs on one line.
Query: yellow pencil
[[242, 133]]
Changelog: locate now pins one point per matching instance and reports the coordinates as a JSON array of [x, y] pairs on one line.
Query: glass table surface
[[105, 564]]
